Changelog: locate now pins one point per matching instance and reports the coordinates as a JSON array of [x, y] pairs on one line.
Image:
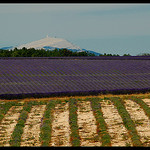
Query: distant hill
[[50, 43], [7, 47], [96, 54]]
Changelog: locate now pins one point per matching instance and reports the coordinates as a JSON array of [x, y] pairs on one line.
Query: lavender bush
[[38, 77]]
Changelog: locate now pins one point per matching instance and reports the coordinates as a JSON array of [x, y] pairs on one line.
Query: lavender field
[[23, 77], [76, 122]]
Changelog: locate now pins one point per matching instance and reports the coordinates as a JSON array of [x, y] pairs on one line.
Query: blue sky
[[114, 28]]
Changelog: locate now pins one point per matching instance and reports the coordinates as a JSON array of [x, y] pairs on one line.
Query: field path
[[141, 120], [116, 129], [8, 124], [60, 126], [30, 136], [87, 125]]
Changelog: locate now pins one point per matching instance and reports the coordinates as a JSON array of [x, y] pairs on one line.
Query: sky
[[116, 28]]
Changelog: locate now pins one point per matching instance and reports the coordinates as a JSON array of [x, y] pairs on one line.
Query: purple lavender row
[[32, 76], [87, 57]]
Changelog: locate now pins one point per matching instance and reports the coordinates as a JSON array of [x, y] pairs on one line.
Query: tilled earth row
[[87, 125]]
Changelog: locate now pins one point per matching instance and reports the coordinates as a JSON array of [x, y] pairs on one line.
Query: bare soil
[[8, 124], [147, 101], [60, 126], [117, 131], [87, 125], [30, 136], [141, 120]]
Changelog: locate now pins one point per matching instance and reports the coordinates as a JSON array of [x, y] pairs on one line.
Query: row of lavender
[[87, 57], [45, 77]]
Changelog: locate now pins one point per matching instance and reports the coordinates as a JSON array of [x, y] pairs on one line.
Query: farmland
[[73, 101], [42, 77], [83, 121]]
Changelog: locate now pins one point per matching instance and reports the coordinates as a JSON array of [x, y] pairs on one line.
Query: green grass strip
[[101, 124], [128, 122], [4, 109], [75, 138], [143, 105], [17, 133], [46, 127]]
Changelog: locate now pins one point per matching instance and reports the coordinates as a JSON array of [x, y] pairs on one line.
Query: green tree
[[126, 55]]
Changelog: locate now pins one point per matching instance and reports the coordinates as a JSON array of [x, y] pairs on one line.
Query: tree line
[[32, 52]]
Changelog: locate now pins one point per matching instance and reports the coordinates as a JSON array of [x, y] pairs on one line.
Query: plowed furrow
[[60, 126], [116, 129], [30, 136], [142, 122], [87, 125], [8, 124]]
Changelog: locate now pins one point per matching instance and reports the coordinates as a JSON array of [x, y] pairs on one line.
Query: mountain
[[96, 54], [7, 47], [51, 43]]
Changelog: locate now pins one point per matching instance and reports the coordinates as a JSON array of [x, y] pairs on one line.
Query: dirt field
[[86, 121]]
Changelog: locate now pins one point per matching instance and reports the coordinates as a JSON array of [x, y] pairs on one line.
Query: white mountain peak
[[50, 42]]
